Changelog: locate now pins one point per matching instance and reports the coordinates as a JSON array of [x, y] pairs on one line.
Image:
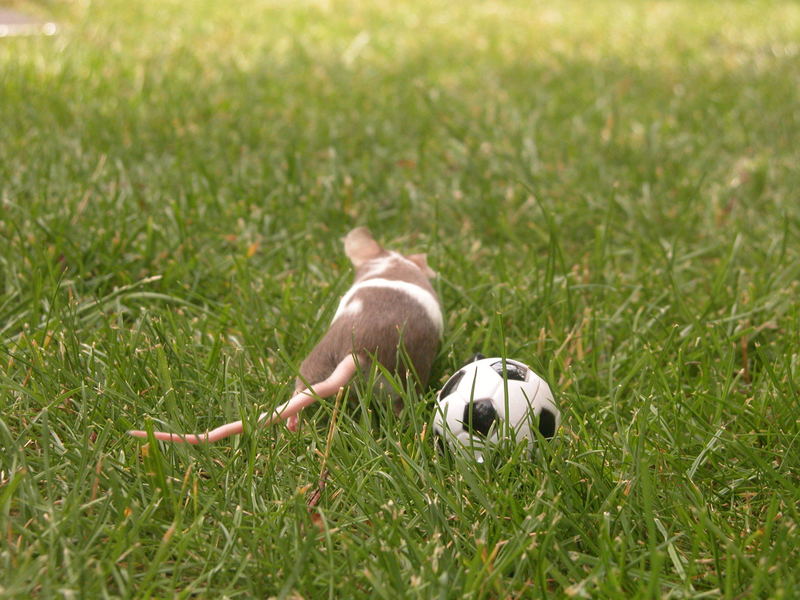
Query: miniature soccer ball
[[473, 410]]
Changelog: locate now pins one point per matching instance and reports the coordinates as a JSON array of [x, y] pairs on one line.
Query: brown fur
[[389, 321]]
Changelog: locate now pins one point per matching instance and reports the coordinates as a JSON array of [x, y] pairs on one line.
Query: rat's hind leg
[[340, 377]]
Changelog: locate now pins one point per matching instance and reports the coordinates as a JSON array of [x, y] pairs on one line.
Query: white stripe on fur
[[422, 296]]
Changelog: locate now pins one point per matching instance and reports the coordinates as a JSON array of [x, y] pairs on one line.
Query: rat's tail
[[341, 375]]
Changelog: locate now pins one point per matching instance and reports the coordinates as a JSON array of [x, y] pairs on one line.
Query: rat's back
[[390, 310]]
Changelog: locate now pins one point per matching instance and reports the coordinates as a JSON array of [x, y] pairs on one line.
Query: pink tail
[[342, 374]]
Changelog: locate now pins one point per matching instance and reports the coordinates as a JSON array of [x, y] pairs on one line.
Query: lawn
[[609, 191]]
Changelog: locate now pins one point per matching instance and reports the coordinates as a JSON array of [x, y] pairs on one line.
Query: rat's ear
[[360, 246], [421, 260]]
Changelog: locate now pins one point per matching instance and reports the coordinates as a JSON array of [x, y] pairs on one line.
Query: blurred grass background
[[608, 191]]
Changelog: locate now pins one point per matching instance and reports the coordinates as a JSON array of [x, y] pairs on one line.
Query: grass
[[608, 191]]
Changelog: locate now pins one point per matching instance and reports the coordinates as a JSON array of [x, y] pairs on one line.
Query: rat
[[390, 309]]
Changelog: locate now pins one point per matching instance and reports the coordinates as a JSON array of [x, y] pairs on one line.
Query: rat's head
[[367, 255]]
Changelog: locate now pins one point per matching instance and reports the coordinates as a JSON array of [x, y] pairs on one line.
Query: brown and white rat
[[391, 308]]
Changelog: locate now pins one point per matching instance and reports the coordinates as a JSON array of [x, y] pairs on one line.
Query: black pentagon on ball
[[514, 370], [547, 423], [451, 384], [479, 417]]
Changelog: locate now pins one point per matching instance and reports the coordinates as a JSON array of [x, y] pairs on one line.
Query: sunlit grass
[[608, 191]]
